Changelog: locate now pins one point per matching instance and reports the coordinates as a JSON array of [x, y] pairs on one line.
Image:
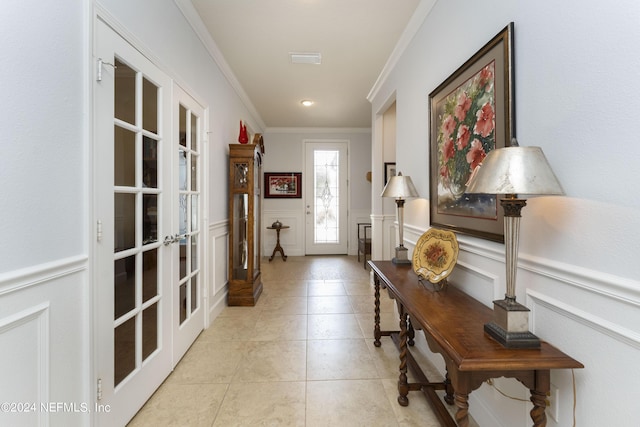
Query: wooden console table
[[453, 324]]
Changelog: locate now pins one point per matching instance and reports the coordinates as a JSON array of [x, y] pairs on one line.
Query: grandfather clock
[[245, 284]]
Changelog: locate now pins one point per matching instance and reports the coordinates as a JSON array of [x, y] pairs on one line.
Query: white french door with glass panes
[[148, 248], [132, 211], [187, 278], [326, 227]]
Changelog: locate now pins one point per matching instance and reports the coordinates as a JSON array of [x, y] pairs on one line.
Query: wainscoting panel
[[609, 351], [291, 239], [24, 366], [384, 237], [45, 346], [218, 279]]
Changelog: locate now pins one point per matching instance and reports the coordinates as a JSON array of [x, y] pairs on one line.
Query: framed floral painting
[[470, 114]]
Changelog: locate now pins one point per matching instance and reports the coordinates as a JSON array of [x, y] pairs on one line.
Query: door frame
[[307, 184]]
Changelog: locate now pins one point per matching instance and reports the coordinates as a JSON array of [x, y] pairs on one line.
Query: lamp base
[[401, 256], [511, 325], [512, 339]]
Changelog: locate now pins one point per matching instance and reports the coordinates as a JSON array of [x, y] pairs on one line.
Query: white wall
[[284, 152], [576, 85], [42, 172], [43, 209]]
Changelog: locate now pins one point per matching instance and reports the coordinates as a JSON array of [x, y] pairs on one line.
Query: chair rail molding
[[31, 276]]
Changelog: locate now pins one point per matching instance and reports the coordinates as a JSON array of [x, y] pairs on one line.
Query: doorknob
[[173, 239]]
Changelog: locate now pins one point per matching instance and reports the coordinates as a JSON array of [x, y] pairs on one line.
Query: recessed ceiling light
[[305, 58], [306, 102]]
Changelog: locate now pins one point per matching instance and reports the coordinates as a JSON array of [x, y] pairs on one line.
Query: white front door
[[133, 203], [326, 197], [186, 258]]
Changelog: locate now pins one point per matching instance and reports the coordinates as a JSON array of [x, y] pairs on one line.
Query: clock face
[[435, 255]]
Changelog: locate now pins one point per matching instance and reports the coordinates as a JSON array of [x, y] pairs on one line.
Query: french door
[[148, 250], [326, 227], [187, 278]]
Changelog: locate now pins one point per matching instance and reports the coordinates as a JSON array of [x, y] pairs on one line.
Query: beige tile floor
[[303, 356]]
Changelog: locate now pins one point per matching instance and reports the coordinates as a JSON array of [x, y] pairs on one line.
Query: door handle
[[173, 239]]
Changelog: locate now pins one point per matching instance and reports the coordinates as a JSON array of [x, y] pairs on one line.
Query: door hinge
[[99, 63], [99, 231], [99, 391]]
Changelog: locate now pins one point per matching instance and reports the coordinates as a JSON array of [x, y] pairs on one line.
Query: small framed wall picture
[[389, 171], [282, 185]]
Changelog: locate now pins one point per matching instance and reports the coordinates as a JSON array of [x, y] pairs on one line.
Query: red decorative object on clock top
[[243, 138]]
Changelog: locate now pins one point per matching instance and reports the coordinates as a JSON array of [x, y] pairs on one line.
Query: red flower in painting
[[448, 125], [447, 150], [486, 120], [464, 103], [444, 171], [486, 75], [476, 154], [464, 135]]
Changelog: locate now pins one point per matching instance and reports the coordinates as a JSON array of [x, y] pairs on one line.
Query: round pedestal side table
[[278, 248]]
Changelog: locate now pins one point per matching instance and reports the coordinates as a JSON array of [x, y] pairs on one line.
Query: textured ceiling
[[354, 37]]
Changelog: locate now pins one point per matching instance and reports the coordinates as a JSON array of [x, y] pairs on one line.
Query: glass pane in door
[[124, 349], [125, 93], [124, 166], [150, 164], [149, 330], [149, 218], [125, 221], [149, 274], [326, 196], [149, 106], [125, 286]]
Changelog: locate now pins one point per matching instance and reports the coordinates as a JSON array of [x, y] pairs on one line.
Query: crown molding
[[316, 130], [418, 17], [194, 20]]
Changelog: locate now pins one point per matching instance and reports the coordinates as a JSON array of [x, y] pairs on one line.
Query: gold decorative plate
[[435, 255]]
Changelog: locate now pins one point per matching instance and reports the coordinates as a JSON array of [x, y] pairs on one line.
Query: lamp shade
[[400, 187], [515, 170]]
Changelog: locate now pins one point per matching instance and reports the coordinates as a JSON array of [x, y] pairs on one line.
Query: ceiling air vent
[[305, 58]]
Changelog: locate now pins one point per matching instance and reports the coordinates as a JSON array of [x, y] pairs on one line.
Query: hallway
[[304, 356]]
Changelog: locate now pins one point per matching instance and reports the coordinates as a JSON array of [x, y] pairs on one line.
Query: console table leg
[[376, 322], [448, 397], [538, 414], [538, 397], [403, 386], [462, 402], [410, 331]]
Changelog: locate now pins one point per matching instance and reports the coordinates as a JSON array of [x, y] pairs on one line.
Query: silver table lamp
[[513, 172], [400, 187]]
